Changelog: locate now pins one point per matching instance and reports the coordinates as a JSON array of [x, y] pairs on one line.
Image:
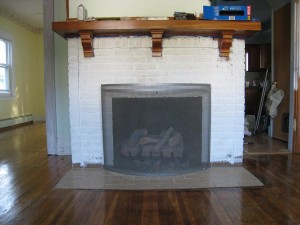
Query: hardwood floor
[[28, 175], [263, 144]]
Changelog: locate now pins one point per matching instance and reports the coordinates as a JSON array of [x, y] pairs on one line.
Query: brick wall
[[129, 60]]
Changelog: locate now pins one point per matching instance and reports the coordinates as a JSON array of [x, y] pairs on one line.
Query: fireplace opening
[[156, 129]]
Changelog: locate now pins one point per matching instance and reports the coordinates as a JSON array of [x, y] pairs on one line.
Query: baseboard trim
[[13, 122]]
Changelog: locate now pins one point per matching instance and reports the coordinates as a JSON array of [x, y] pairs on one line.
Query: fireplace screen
[[156, 129]]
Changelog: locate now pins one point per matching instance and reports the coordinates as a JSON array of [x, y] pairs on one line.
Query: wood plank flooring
[[28, 175], [262, 144]]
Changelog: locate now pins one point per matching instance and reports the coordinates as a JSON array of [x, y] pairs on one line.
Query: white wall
[[112, 8], [28, 65]]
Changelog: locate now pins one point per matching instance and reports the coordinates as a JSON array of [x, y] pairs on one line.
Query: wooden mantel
[[224, 30]]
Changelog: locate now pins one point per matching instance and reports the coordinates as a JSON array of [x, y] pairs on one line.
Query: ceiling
[[31, 11], [28, 11]]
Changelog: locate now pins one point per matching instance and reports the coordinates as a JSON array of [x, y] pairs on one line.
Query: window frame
[[10, 93]]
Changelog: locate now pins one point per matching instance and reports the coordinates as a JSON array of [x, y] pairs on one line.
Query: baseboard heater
[[13, 121]]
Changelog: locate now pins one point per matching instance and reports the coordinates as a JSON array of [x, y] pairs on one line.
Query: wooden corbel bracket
[[87, 43], [157, 42], [225, 43]]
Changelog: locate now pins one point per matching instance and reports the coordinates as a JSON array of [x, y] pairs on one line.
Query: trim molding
[[19, 22], [49, 78]]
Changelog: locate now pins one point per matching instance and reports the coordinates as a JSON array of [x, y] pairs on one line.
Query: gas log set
[[169, 143]]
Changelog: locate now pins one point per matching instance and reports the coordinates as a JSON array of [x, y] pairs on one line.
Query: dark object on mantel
[[184, 16], [227, 2], [107, 18]]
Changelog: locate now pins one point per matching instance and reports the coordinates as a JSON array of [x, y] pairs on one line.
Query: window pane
[[3, 81], [3, 51]]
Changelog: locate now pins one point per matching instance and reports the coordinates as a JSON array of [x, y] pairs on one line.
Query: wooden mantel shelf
[[224, 30]]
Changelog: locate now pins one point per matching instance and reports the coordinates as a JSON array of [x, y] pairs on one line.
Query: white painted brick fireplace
[[123, 60]]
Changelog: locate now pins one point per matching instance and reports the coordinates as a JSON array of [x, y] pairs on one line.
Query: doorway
[[273, 134]]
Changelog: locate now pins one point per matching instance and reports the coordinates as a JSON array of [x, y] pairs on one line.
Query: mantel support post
[[225, 43], [87, 43], [157, 42]]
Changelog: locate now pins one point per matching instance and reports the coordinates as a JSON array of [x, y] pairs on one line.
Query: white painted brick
[[87, 116], [89, 109], [116, 52], [77, 158], [110, 66], [223, 135], [76, 150], [240, 107], [240, 88], [239, 135], [91, 130], [135, 42], [141, 52], [239, 120], [95, 151], [149, 73], [75, 141], [91, 144], [216, 121], [115, 42], [220, 115], [238, 152], [238, 143], [222, 142], [220, 128], [75, 130], [240, 100], [203, 42], [91, 159], [74, 122], [144, 66], [90, 122], [178, 58], [223, 100], [72, 43], [184, 42], [169, 43], [146, 42], [92, 137], [95, 43], [73, 58], [222, 108], [238, 160], [222, 150], [89, 93], [239, 114], [222, 157], [129, 60], [110, 59]]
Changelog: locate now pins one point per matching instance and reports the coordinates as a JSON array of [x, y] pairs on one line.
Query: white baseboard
[[39, 118], [15, 121]]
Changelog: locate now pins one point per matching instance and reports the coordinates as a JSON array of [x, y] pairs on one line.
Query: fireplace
[[156, 129], [186, 63]]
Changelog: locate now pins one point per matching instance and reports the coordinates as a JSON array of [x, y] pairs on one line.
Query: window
[[6, 75]]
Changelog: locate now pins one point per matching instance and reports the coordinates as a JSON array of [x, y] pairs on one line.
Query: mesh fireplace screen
[[156, 129]]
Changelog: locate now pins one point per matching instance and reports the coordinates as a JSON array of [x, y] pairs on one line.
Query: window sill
[[7, 96]]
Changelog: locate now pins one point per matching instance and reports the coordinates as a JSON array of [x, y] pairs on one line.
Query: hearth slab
[[214, 177]]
